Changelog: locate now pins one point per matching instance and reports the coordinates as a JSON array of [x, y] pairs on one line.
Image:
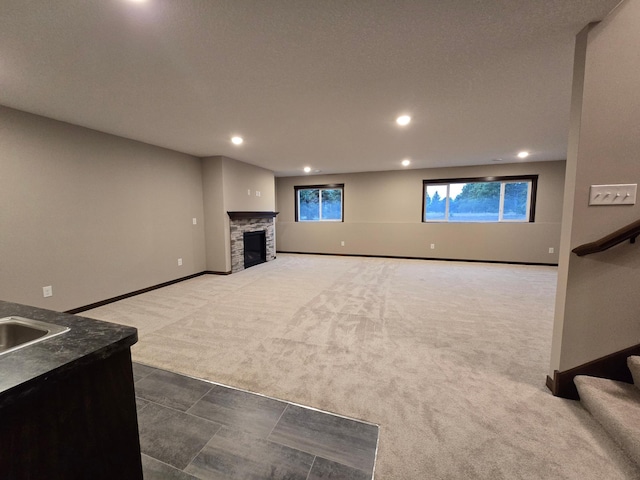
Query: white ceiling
[[305, 82]]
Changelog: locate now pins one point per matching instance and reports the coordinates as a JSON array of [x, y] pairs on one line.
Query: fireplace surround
[[250, 222]]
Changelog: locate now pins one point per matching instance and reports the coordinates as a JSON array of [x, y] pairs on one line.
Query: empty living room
[[319, 240]]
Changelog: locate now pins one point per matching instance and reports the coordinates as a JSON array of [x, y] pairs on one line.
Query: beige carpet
[[449, 358]]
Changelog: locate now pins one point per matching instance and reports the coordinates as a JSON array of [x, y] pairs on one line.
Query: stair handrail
[[630, 232]]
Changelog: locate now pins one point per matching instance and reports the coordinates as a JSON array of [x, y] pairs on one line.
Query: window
[[319, 203], [489, 199]]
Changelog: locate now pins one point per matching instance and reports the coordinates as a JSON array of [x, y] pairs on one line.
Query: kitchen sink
[[18, 332]]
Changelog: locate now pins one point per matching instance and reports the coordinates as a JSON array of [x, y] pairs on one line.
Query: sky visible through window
[[454, 189]]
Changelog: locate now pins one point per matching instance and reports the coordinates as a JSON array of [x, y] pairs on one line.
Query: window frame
[[331, 186], [531, 200]]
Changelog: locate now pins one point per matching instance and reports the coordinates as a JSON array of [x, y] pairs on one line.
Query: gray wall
[[91, 214], [598, 306], [216, 219], [231, 185], [383, 213]]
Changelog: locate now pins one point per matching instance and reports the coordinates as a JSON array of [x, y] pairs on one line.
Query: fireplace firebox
[[255, 248]]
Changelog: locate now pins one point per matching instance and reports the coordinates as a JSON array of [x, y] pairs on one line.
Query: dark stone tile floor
[[192, 429]]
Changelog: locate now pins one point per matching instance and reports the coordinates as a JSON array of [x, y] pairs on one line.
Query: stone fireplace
[[251, 222]]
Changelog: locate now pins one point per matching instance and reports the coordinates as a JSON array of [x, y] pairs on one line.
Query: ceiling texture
[[305, 82]]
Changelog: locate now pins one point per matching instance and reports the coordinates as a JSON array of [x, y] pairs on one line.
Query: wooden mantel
[[240, 215]]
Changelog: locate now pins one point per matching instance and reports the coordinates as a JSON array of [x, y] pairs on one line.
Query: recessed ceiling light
[[237, 140], [406, 162], [523, 154], [403, 120], [307, 169], [496, 159]]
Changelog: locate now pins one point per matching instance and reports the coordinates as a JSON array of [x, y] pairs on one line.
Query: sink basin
[[18, 332]]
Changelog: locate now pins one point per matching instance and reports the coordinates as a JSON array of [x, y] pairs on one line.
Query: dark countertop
[[87, 341]]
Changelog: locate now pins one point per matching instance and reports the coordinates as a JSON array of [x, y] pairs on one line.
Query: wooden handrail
[[630, 232]]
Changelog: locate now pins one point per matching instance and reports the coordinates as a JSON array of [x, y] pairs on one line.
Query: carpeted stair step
[[633, 363], [616, 406]]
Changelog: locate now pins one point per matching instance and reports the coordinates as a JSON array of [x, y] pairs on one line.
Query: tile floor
[[190, 429]]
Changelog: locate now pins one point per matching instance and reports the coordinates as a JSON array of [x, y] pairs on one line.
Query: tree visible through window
[[319, 203], [497, 199]]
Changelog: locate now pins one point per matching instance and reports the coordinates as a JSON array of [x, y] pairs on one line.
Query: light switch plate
[[623, 194]]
